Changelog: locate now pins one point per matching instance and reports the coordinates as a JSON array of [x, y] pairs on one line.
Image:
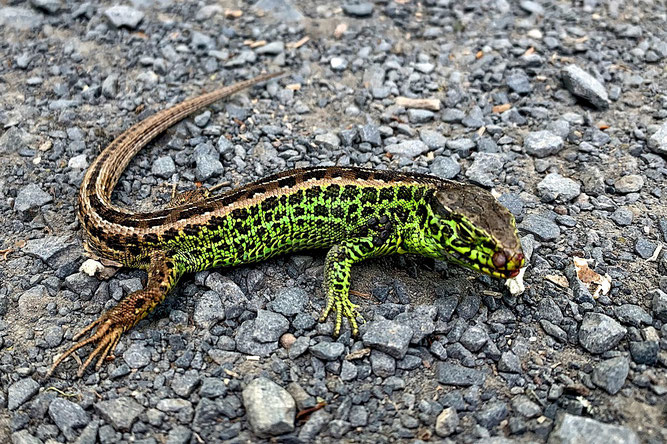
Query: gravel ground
[[560, 106]]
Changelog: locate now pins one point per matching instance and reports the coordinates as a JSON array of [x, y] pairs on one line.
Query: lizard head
[[474, 230]]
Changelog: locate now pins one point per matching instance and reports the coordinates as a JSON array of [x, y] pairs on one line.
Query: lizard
[[356, 213]]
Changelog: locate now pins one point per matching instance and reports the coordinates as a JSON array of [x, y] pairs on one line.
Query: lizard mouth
[[503, 264]]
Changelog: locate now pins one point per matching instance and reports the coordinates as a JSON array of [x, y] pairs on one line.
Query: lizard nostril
[[499, 259]]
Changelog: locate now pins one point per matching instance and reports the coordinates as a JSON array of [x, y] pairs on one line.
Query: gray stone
[[329, 141], [362, 9], [446, 422], [31, 197], [407, 148], [270, 408], [184, 384], [179, 435], [269, 326], [542, 143], [420, 115], [120, 412], [553, 330], [327, 351], [453, 115], [273, 48], [492, 414], [338, 64], [24, 436], [68, 416], [558, 188], [541, 226], [433, 139], [21, 19], [585, 86], [525, 407], [629, 184], [611, 374], [622, 216], [509, 362], [20, 392], [338, 428], [246, 342], [49, 6], [46, 248], [32, 302], [454, 374], [137, 355], [659, 304], [645, 248], [382, 364], [208, 309], [212, 388], [314, 425], [644, 352], [371, 134], [658, 141], [78, 162], [571, 429], [348, 371], [599, 333], [121, 15], [289, 301], [485, 168], [163, 167], [207, 166], [519, 83], [445, 167], [110, 86], [474, 338], [632, 314], [389, 337]]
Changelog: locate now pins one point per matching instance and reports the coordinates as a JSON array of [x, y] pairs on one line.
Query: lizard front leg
[[337, 268], [163, 274]]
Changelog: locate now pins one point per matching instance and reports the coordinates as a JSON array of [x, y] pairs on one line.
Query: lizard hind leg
[[163, 274]]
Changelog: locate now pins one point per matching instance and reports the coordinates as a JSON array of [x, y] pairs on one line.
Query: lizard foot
[[342, 306], [106, 337]]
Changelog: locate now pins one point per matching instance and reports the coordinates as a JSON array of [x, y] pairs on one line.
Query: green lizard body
[[355, 213]]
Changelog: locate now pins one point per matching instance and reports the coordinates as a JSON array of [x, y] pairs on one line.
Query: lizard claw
[[106, 337]]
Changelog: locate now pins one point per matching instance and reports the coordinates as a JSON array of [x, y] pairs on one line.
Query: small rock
[[68, 416], [644, 352], [599, 333], [558, 188], [622, 216], [208, 309], [509, 362], [541, 226], [573, 429], [433, 139], [273, 48], [474, 338], [542, 143], [485, 168], [363, 9], [371, 134], [611, 374], [49, 6], [269, 326], [329, 141], [519, 83], [327, 351], [120, 412], [629, 184], [270, 408], [420, 115], [382, 364], [445, 167], [407, 148], [585, 86], [31, 197], [110, 86], [121, 15], [492, 414], [289, 301], [137, 355], [389, 337], [20, 392], [78, 162], [525, 407], [338, 64], [658, 141], [453, 374], [447, 422], [659, 304], [645, 248], [632, 314]]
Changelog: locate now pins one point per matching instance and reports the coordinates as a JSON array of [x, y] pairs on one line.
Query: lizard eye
[[499, 260]]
